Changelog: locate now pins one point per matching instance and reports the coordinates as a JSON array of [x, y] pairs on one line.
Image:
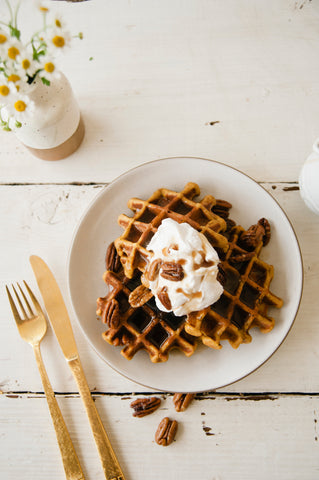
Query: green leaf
[[7, 128], [15, 32], [18, 124], [45, 81]]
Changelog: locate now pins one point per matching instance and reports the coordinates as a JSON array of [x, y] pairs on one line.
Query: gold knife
[[60, 321]]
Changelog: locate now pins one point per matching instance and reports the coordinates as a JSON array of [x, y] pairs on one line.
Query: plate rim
[[86, 212]]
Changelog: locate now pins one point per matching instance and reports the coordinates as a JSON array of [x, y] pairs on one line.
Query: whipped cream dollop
[[182, 272]]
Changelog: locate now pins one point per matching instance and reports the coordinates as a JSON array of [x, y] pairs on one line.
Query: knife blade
[[61, 324]]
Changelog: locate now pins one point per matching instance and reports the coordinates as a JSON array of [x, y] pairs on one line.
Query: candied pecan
[[111, 313], [221, 208], [172, 271], [112, 258], [166, 432], [145, 406], [221, 275], [153, 270], [241, 257], [164, 298], [223, 204], [139, 296], [230, 224], [253, 236], [182, 400], [264, 223]]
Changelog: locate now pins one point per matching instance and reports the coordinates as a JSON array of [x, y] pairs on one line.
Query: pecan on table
[[164, 298], [265, 224], [182, 401], [172, 271], [111, 313], [112, 259], [166, 432], [139, 296], [145, 406]]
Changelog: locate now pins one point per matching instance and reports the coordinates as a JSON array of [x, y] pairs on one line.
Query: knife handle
[[70, 460], [111, 467]]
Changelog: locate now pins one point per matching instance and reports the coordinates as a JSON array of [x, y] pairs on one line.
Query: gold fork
[[32, 328]]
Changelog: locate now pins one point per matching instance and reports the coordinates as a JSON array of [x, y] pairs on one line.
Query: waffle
[[246, 297], [164, 203], [142, 328]]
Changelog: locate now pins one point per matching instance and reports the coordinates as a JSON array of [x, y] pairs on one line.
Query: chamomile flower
[[57, 40], [13, 49], [15, 78], [42, 5], [21, 107], [4, 37], [7, 90], [59, 22], [49, 70], [25, 64]]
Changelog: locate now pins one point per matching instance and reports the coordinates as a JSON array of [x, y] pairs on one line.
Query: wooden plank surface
[[232, 81], [222, 437], [162, 71]]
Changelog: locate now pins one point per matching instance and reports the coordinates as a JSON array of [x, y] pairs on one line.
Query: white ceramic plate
[[206, 369]]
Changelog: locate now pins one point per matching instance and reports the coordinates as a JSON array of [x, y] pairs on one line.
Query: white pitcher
[[309, 179]]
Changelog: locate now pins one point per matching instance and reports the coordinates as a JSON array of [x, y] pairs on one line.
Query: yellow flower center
[[13, 78], [58, 41], [13, 52], [49, 67], [3, 38], [20, 106], [4, 90], [25, 64], [58, 23]]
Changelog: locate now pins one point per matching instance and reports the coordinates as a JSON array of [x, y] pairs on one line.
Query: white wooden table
[[152, 78]]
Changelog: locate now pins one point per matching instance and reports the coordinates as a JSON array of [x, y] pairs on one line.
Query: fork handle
[[70, 460], [111, 467]]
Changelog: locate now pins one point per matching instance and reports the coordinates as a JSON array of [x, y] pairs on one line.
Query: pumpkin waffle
[[140, 328], [164, 203], [246, 297]]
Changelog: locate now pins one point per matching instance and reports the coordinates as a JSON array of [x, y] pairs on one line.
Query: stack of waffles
[[129, 310]]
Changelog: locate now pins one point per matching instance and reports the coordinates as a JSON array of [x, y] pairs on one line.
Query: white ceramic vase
[[55, 129]]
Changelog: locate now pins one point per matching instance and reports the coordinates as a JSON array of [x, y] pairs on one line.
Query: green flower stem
[[10, 10], [16, 14]]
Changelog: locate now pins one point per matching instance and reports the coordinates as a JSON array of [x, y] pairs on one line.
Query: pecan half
[[230, 224], [241, 257], [172, 271], [145, 406], [153, 270], [166, 432], [252, 237], [111, 313], [265, 224], [221, 208], [139, 296], [182, 400], [164, 298], [112, 259], [221, 275]]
